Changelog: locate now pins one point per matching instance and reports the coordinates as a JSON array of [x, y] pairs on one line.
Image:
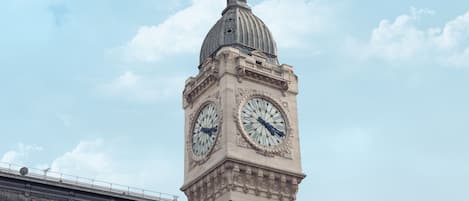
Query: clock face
[[263, 122], [205, 130]]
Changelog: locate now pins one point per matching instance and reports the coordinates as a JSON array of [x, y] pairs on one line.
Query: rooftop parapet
[[85, 184]]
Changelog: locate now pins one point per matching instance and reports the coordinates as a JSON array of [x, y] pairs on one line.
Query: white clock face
[[263, 122], [205, 130]]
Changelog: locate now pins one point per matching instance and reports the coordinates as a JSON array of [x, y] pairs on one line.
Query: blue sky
[[93, 88]]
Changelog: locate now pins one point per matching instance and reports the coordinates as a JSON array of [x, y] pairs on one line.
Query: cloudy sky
[[93, 88]]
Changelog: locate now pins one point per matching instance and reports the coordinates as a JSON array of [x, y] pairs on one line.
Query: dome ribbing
[[240, 28]]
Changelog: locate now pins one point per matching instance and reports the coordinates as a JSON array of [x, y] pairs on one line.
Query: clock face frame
[[204, 130], [264, 123]]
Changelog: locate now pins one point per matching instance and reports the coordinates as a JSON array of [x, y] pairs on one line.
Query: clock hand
[[277, 132], [270, 128], [212, 131], [262, 121], [266, 125], [206, 130], [209, 131]]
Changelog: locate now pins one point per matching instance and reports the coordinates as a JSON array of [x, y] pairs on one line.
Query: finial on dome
[[239, 28], [236, 4], [242, 3]]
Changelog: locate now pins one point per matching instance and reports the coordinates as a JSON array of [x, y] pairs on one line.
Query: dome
[[240, 28]]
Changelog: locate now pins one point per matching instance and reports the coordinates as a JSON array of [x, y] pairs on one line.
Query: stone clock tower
[[241, 127]]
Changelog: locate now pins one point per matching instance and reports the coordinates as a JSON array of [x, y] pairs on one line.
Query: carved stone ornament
[[233, 176], [211, 99], [271, 75], [196, 86], [282, 150]]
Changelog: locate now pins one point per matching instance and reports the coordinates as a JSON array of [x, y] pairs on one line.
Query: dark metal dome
[[240, 28]]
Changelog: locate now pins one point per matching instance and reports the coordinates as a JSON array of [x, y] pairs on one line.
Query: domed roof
[[240, 28]]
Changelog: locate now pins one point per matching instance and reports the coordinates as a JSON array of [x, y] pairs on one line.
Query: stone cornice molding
[[240, 176], [195, 86], [254, 67]]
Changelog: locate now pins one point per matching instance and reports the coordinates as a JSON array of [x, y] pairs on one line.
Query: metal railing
[[86, 182]]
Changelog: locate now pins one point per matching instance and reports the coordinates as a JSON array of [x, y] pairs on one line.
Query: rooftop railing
[[62, 178]]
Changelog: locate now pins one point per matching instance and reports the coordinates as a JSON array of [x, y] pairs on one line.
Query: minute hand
[[270, 128]]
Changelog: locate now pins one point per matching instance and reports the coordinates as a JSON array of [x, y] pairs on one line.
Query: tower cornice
[[234, 175]]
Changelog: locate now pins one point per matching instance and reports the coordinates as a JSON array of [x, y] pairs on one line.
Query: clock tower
[[241, 126]]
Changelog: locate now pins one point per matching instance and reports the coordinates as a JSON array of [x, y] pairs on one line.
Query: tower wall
[[235, 168]]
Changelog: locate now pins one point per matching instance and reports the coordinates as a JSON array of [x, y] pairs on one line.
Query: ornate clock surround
[[211, 99], [283, 149]]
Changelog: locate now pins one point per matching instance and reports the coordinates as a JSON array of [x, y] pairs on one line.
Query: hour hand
[[209, 131]]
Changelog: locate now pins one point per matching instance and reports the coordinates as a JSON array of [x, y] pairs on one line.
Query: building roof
[[239, 27], [58, 185]]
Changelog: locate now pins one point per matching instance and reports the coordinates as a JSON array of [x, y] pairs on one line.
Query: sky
[[93, 88]]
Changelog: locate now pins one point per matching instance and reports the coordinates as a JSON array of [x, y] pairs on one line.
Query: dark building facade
[[25, 185]]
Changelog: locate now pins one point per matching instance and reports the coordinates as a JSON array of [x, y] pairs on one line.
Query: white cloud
[[87, 158], [144, 89], [127, 80], [402, 39], [459, 59], [99, 159], [455, 33], [398, 39], [184, 31], [102, 160], [181, 33], [21, 154], [308, 17]]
